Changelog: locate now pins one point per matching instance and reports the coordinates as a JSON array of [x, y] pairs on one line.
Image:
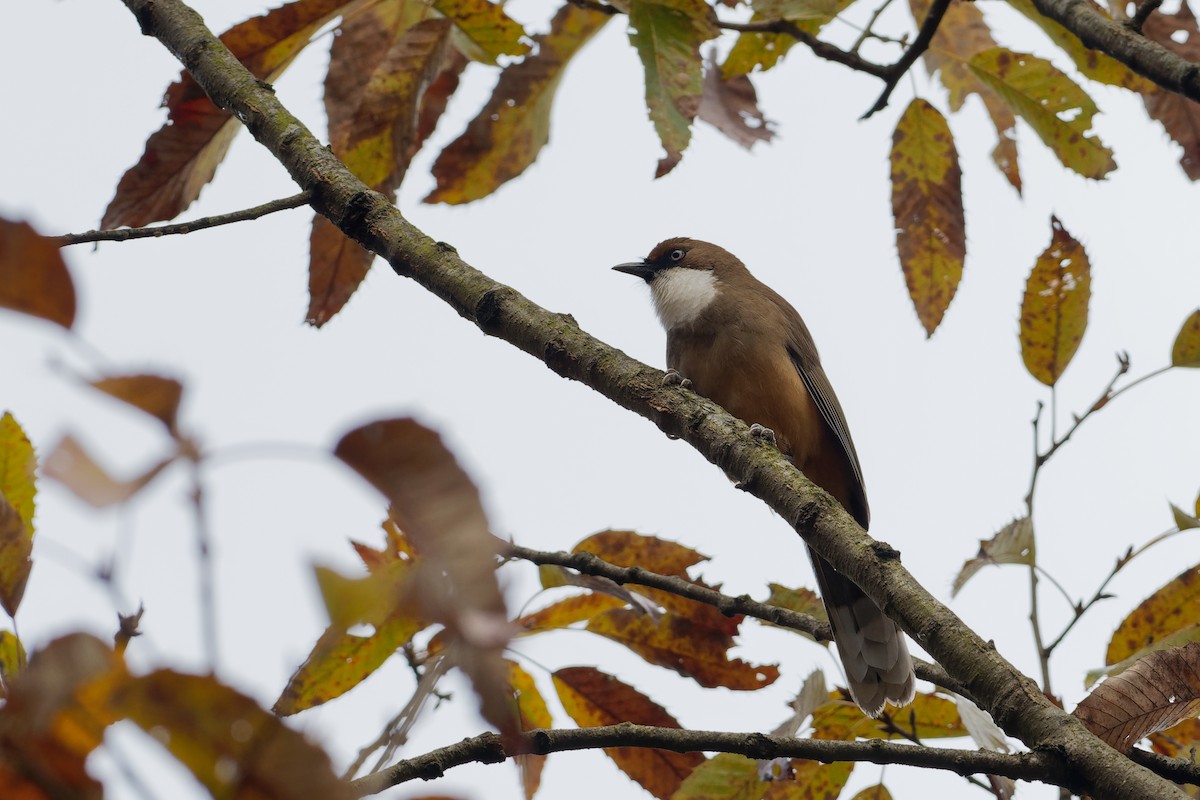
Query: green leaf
[[668, 35], [1054, 106], [508, 133]]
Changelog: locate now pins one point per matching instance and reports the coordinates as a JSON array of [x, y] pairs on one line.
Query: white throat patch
[[681, 294]]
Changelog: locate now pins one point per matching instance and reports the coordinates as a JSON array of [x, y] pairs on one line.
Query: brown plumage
[[745, 347]]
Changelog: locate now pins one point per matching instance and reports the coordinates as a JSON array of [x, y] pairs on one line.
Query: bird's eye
[[676, 254]]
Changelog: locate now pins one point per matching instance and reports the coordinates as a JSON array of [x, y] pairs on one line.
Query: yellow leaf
[[506, 136], [927, 717], [534, 714], [18, 465], [668, 35], [487, 31], [1172, 608], [762, 51], [1054, 312], [1186, 350], [12, 659], [1054, 106], [876, 792], [928, 211], [33, 277], [725, 776]]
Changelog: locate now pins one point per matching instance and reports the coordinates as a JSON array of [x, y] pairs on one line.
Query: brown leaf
[[567, 612], [1186, 351], [70, 465], [1180, 117], [1054, 312], [534, 714], [33, 277], [157, 396], [505, 137], [962, 33], [1152, 695], [1171, 609], [593, 698], [1012, 544], [695, 651], [632, 549], [437, 505], [928, 212], [731, 106], [182, 156]]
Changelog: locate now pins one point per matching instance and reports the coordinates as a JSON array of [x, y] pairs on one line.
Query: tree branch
[[489, 748], [898, 70], [124, 234], [591, 564], [1014, 701], [819, 48]]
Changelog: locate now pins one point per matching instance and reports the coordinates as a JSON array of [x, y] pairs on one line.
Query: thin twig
[[489, 748], [820, 48], [924, 37], [867, 33], [122, 234], [1142, 14], [591, 564], [207, 570]]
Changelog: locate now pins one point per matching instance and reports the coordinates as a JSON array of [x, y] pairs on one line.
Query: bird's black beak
[[638, 268]]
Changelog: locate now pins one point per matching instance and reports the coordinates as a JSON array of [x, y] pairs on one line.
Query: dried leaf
[[567, 612], [182, 156], [339, 661], [694, 651], [1179, 116], [1179, 740], [1186, 351], [436, 504], [1172, 608], [18, 490], [379, 68], [157, 396], [33, 277], [962, 33], [487, 32], [1054, 312], [731, 106], [631, 549], [1054, 106], [231, 745], [506, 136], [1012, 544], [71, 465], [928, 211], [1188, 633], [592, 699], [1160, 690], [927, 717], [1094, 64], [668, 35], [534, 714]]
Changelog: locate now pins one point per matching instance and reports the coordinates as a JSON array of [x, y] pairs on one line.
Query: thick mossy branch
[[1085, 763]]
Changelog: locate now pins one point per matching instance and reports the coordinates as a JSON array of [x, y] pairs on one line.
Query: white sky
[[942, 426]]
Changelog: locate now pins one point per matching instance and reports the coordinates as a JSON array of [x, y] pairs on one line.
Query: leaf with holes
[[1155, 693], [506, 136], [593, 698], [667, 35], [731, 106], [1054, 312], [33, 276], [1054, 106], [1012, 544], [485, 32], [928, 211]]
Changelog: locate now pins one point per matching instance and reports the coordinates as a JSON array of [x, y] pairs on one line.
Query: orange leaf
[[33, 277], [18, 488], [1180, 117], [632, 549], [567, 612], [1171, 609], [534, 714], [1054, 312], [157, 396], [1179, 740], [1186, 351], [593, 698], [182, 156], [1155, 693], [928, 211], [675, 642], [230, 744], [437, 505], [70, 465]]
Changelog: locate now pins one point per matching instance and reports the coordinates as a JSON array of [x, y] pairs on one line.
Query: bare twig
[[897, 71], [122, 234], [820, 48], [1144, 10], [869, 33], [204, 559], [591, 564]]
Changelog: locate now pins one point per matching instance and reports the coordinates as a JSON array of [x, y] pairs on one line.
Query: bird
[[743, 346]]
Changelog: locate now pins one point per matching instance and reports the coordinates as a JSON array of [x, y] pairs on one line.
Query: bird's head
[[685, 277]]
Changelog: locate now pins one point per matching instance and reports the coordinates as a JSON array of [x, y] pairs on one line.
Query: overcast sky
[[941, 425]]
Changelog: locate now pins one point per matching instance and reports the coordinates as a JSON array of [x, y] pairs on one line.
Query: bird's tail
[[873, 650]]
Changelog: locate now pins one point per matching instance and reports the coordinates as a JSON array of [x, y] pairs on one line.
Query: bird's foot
[[764, 433], [673, 378]]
